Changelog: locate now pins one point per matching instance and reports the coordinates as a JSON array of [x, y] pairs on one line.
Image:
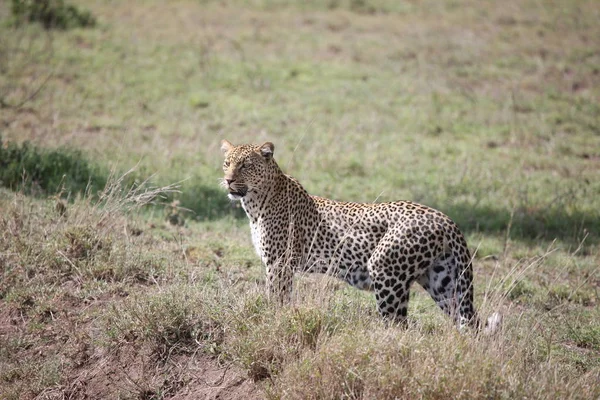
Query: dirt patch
[[214, 382], [131, 371]]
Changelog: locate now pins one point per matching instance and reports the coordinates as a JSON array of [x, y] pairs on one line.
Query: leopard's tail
[[493, 324], [464, 279]]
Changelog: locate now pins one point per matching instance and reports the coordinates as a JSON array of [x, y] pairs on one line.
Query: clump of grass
[[174, 321], [52, 14], [266, 338]]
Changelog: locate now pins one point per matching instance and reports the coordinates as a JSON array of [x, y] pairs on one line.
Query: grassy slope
[[487, 111]]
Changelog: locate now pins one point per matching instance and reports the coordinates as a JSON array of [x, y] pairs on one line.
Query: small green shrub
[[33, 169], [52, 14]]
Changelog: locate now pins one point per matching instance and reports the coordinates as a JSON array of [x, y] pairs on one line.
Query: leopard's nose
[[229, 181]]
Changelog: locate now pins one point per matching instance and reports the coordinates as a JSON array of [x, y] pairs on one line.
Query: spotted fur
[[383, 247]]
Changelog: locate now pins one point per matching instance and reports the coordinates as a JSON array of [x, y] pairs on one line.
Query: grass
[[109, 289], [488, 112]]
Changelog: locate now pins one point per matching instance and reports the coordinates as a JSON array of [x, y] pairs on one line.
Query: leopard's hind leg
[[398, 259]]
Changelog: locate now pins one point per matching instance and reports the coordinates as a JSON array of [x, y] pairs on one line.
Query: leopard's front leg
[[280, 277], [281, 269]]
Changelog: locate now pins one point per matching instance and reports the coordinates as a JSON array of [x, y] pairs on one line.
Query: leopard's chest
[[257, 231]]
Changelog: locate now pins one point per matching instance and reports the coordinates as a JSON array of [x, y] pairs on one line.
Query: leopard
[[381, 247]]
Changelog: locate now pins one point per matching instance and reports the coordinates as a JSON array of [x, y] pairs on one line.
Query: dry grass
[[108, 290]]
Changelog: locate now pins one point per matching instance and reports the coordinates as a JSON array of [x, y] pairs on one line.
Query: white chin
[[234, 197]]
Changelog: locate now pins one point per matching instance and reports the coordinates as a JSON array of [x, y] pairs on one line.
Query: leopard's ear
[[267, 150], [226, 146]]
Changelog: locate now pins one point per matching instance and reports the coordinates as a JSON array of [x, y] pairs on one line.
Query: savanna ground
[[489, 111]]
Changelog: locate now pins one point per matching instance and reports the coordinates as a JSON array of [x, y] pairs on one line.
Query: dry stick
[[32, 95], [220, 380]]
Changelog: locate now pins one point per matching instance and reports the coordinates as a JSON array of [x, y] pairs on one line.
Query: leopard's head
[[246, 167]]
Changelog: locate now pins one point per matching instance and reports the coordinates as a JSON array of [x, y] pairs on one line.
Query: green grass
[[488, 112], [395, 126]]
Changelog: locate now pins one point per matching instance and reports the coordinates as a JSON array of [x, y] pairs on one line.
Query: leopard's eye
[[226, 164]]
